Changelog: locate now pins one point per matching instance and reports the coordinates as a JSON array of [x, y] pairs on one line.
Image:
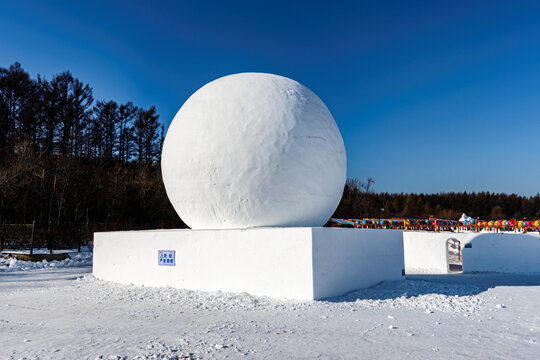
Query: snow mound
[[193, 300], [464, 217], [412, 294], [8, 264]]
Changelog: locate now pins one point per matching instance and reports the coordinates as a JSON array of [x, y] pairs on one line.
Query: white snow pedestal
[[295, 263]]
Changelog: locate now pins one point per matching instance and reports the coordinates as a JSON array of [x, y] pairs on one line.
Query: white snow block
[[293, 263], [503, 252], [427, 251]]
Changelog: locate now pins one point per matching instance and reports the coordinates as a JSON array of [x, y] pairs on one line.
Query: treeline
[[61, 118], [360, 201], [67, 158]]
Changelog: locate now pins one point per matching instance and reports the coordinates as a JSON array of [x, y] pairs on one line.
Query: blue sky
[[430, 96]]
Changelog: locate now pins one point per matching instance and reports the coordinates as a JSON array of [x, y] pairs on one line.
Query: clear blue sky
[[430, 96]]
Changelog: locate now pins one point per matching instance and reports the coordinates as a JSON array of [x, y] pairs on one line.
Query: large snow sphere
[[252, 150]]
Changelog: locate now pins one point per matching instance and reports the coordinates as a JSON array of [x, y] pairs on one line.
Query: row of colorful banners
[[441, 224]]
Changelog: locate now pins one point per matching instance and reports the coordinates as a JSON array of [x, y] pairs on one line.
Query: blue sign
[[166, 257]]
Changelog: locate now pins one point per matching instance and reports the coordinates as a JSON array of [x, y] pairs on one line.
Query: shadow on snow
[[446, 284]]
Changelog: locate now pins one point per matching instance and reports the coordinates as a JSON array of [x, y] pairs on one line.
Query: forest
[[76, 164], [71, 162], [360, 201]]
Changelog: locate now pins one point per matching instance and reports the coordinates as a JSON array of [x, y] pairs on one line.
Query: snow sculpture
[[253, 150]]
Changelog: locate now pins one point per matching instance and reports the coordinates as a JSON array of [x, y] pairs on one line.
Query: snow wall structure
[[427, 252], [294, 263], [503, 252]]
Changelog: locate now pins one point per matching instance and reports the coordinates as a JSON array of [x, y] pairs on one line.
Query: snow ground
[[65, 313]]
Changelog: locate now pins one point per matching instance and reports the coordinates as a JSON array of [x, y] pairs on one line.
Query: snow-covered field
[[63, 312]]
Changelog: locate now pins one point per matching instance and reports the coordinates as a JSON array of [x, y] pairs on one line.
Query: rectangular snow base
[[293, 263]]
